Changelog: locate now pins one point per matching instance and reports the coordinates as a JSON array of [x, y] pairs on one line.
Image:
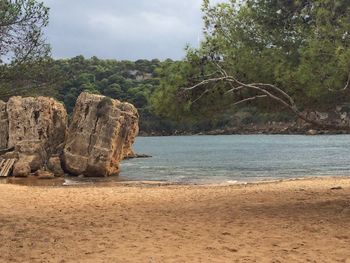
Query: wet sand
[[290, 221]]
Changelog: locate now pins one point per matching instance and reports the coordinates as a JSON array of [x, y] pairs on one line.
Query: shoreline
[[250, 130], [339, 133], [69, 181]]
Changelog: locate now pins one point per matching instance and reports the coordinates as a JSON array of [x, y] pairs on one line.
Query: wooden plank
[[6, 168], [11, 163], [3, 168], [2, 164]]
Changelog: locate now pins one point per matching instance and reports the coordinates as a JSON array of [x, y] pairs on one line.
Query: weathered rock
[[10, 155], [36, 129], [21, 169], [54, 165], [100, 134], [38, 119], [42, 174], [4, 133], [31, 152], [133, 123]]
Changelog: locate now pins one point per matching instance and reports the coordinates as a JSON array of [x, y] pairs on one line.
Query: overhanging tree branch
[[261, 90]]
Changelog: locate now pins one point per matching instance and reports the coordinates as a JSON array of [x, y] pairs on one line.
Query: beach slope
[[292, 221]]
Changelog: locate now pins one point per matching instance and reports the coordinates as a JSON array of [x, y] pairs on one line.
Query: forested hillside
[[65, 79], [138, 82]]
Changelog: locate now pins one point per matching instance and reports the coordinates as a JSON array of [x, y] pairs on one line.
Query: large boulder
[[100, 134], [36, 130], [4, 133], [39, 119]]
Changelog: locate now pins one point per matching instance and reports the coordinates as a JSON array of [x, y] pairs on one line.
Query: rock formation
[[40, 120], [128, 152], [4, 133], [99, 136], [36, 130]]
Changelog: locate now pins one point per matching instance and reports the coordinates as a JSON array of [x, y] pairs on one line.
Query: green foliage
[[65, 79], [302, 46], [21, 30]]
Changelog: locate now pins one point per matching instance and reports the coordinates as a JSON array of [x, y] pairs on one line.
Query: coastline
[[271, 128], [117, 181], [288, 221]]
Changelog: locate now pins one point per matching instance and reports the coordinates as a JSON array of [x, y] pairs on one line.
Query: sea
[[237, 158]]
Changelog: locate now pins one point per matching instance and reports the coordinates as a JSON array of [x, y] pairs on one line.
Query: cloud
[[132, 29]]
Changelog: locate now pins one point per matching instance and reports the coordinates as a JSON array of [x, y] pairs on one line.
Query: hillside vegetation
[[65, 79]]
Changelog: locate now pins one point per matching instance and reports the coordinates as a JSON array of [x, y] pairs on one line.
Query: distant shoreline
[[271, 128], [215, 132]]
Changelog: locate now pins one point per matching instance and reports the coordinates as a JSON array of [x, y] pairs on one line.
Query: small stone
[[41, 174], [21, 169]]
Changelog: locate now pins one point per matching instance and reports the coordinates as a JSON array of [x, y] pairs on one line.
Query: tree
[[21, 30], [114, 91], [286, 51]]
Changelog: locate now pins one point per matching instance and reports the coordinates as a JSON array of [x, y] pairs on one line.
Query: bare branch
[[205, 82], [223, 72], [234, 89], [250, 99], [203, 93], [264, 90], [276, 89]]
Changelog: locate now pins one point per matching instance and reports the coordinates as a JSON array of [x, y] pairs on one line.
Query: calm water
[[238, 158]]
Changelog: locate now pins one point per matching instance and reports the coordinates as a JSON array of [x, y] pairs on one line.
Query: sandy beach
[[292, 221]]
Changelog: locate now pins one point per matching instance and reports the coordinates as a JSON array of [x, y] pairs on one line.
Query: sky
[[123, 29]]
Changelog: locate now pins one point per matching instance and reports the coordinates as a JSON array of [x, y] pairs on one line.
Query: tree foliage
[[21, 30], [301, 46]]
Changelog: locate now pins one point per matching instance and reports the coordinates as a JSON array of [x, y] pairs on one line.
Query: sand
[[290, 221]]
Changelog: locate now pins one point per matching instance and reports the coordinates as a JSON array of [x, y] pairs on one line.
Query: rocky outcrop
[[35, 128], [4, 133], [37, 120], [133, 124], [99, 136]]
